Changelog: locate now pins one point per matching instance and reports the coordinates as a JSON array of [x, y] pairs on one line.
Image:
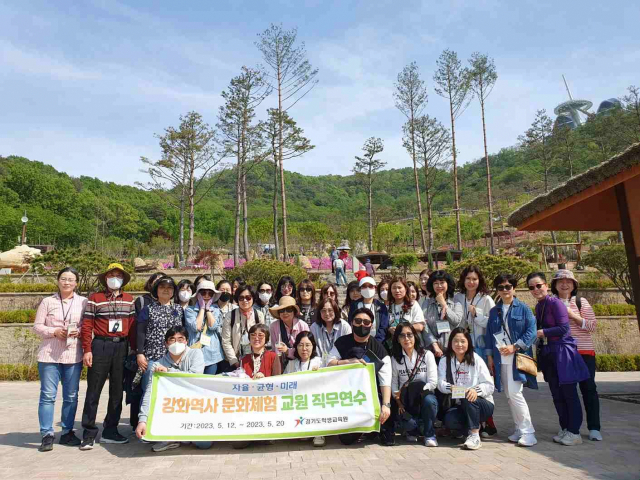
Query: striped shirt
[[107, 315], [50, 317], [582, 333]]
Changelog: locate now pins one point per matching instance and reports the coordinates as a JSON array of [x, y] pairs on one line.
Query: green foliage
[[6, 287], [18, 316], [617, 363], [25, 373], [449, 258], [611, 260], [271, 271], [430, 261], [616, 310], [493, 265], [405, 262]]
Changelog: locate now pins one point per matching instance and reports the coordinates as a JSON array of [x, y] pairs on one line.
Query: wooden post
[[630, 244]]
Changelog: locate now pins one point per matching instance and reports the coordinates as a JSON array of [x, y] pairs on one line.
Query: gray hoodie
[[191, 361]]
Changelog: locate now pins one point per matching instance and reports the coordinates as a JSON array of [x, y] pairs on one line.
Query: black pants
[[108, 361], [468, 415], [590, 394], [385, 429]]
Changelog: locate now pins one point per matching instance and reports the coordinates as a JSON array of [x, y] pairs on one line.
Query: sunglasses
[[358, 321], [306, 289], [502, 288], [288, 310], [245, 298], [259, 336], [206, 293], [537, 286]]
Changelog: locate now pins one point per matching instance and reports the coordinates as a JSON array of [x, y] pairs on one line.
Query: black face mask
[[225, 297], [361, 330]]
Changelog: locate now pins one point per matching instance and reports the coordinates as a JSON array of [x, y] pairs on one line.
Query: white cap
[[367, 280]]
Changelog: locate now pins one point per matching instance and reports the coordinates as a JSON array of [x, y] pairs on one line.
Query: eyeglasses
[[406, 336], [67, 280], [306, 289], [172, 340], [245, 298], [502, 288], [264, 290], [259, 336], [288, 310], [331, 293], [537, 286], [327, 311], [359, 321]]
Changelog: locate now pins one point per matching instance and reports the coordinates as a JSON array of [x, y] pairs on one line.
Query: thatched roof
[[595, 175]]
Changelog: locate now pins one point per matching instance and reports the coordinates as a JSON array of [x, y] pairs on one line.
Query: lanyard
[[458, 367], [397, 315], [65, 315], [330, 340], [466, 312], [505, 319]]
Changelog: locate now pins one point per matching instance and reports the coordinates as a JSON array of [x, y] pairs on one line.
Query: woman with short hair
[[441, 312], [329, 290], [286, 328], [186, 291], [463, 374], [264, 302], [383, 292], [562, 366], [413, 382], [58, 321], [237, 324]]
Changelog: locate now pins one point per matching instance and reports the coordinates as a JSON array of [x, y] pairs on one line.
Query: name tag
[[443, 327], [501, 339], [457, 393], [115, 326], [205, 340]]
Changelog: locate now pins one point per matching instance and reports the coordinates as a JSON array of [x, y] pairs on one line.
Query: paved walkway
[[618, 457]]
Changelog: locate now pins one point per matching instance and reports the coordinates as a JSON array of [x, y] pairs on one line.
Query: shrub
[[492, 265], [405, 262], [611, 260], [616, 310], [595, 280], [617, 363], [133, 286], [25, 373], [18, 316], [263, 270]]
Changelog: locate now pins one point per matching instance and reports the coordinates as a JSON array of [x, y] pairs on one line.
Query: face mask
[[265, 297], [225, 296], [361, 330], [368, 292], [177, 348], [383, 294], [184, 295], [114, 283]]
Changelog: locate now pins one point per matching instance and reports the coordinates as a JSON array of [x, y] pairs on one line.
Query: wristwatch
[[388, 405]]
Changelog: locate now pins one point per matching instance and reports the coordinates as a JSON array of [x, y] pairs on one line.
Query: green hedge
[[6, 287], [24, 373], [617, 363], [617, 310], [18, 316]]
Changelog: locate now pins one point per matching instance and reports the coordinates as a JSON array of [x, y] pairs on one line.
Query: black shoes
[[47, 443], [388, 438], [70, 439], [87, 443], [113, 437]]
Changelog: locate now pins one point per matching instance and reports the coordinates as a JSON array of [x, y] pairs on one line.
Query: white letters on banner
[[329, 401]]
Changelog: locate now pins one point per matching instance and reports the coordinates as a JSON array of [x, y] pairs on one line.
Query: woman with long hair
[[353, 295], [286, 286], [306, 300]]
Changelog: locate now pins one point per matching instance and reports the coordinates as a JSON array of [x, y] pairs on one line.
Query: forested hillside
[[63, 210]]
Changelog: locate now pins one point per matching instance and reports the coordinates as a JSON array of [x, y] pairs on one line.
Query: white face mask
[[383, 294], [184, 295], [265, 297], [114, 283], [368, 292], [177, 348]]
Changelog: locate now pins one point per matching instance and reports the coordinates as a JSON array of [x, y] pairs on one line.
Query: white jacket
[[475, 376], [477, 325], [427, 371]]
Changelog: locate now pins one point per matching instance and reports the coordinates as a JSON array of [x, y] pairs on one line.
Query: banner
[[329, 401]]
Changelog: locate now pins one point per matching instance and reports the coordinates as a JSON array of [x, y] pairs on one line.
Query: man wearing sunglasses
[[511, 329], [361, 347]]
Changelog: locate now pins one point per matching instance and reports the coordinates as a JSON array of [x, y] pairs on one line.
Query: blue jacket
[[381, 314], [522, 328], [213, 352]]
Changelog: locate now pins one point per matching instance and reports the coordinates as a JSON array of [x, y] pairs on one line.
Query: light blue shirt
[[213, 352]]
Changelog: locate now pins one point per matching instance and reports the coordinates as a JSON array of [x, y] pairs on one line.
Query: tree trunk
[[182, 207], [370, 214], [236, 236], [192, 208], [486, 158], [245, 216], [429, 210], [285, 247], [455, 178], [275, 206], [415, 178]]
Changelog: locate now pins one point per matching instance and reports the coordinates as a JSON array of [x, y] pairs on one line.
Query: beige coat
[[231, 337]]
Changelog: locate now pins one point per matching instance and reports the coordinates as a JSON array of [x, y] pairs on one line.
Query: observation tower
[[569, 112]]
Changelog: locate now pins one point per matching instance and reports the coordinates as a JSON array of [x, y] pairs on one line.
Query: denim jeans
[[50, 375], [340, 274], [468, 415], [145, 376], [211, 369]]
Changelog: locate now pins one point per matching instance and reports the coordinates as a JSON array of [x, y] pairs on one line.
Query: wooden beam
[[630, 245]]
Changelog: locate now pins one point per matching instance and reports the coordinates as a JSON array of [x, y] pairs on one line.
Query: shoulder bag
[[524, 363]]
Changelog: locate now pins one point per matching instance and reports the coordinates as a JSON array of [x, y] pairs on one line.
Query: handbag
[[409, 391], [524, 362]]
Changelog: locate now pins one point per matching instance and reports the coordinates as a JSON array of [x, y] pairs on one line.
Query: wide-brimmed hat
[[209, 285], [114, 266], [364, 280], [285, 302], [560, 274]]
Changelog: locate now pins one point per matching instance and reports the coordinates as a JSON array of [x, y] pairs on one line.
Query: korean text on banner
[[329, 401]]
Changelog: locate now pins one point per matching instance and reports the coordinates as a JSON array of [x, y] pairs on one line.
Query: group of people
[[440, 348]]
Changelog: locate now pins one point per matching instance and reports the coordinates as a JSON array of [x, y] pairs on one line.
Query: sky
[[85, 85]]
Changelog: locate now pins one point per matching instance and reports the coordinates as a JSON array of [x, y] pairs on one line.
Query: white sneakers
[[558, 438], [430, 442], [527, 440], [515, 436], [473, 442], [595, 435], [319, 441], [164, 446], [571, 439]]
